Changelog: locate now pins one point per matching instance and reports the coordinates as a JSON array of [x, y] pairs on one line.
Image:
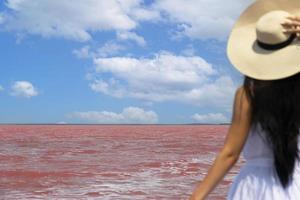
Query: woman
[[266, 109]]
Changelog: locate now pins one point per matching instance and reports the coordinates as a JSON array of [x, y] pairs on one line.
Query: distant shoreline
[[109, 124]]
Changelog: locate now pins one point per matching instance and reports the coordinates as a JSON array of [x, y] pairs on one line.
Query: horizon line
[[112, 124]]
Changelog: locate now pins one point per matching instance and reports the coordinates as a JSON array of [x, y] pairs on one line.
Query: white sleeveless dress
[[257, 179]]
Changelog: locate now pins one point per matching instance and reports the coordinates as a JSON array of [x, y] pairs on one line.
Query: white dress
[[257, 179]]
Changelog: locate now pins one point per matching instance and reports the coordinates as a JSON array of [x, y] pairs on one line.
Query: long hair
[[275, 105]]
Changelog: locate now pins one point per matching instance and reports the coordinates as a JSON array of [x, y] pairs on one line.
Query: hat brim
[[251, 60]]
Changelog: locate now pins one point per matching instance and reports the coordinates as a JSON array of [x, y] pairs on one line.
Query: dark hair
[[275, 105]]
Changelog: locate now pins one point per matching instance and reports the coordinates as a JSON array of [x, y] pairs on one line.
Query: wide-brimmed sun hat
[[257, 46]]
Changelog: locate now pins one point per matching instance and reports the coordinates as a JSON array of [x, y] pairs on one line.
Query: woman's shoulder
[[241, 99], [240, 91]]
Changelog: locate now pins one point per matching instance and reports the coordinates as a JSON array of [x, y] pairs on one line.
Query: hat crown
[[258, 46], [269, 29]]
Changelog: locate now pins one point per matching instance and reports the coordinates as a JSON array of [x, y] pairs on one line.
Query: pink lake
[[109, 162]]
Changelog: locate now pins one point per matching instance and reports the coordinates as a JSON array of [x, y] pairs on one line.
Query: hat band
[[277, 46]]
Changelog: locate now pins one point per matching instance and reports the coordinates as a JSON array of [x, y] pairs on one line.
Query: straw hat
[[257, 46]]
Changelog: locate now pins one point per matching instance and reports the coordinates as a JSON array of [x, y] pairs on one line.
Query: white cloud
[[189, 51], [109, 48], [210, 118], [129, 115], [62, 122], [75, 20], [202, 19], [23, 89], [139, 11], [165, 77], [84, 52], [1, 88], [126, 35], [2, 18], [196, 19]]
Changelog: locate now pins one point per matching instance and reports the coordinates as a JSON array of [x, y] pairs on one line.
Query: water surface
[[108, 162]]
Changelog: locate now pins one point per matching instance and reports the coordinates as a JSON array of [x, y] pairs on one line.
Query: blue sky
[[130, 61]]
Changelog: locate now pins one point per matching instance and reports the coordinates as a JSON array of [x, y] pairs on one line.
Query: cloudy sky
[[117, 61]]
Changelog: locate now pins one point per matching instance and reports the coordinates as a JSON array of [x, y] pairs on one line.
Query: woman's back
[[257, 178]]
